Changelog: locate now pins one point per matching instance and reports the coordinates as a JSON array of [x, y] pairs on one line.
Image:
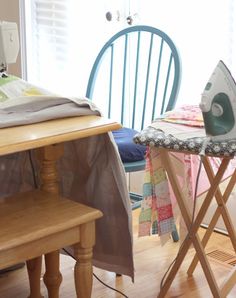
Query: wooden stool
[[36, 223]]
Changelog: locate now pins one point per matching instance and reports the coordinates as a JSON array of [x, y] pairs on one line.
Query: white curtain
[[63, 37]]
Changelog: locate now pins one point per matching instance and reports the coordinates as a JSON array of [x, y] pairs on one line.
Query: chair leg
[[34, 273], [175, 235], [136, 200], [83, 253], [52, 277]]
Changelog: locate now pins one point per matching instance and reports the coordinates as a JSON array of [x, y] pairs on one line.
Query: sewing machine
[[9, 45]]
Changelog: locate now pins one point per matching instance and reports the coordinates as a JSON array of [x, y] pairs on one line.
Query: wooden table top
[[25, 137]]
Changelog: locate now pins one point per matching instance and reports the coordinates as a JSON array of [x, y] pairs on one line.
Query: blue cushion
[[129, 151]]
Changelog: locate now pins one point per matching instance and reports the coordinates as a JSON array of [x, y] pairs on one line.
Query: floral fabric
[[156, 138]]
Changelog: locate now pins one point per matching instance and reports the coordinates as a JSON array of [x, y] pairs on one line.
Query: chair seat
[[34, 223], [134, 166], [128, 150]]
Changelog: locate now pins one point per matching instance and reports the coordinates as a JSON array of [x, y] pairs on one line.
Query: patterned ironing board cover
[[155, 137]]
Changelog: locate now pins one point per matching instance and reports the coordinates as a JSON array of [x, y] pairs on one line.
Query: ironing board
[[165, 145]]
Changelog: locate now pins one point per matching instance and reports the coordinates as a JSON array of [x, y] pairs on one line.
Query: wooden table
[[48, 138]]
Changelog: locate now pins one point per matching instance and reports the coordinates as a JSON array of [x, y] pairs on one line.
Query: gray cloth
[[91, 172], [33, 109]]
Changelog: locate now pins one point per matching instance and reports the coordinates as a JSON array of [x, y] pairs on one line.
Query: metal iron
[[218, 104]]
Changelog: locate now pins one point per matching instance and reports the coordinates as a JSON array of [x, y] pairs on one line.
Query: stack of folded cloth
[[190, 115]]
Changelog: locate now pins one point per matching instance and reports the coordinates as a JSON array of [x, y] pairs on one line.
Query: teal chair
[[134, 79]]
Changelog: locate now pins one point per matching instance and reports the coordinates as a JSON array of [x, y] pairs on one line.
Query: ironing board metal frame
[[193, 225]]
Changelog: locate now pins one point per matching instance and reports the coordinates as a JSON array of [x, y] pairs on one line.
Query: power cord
[[32, 169], [204, 145], [102, 282], [69, 254], [192, 219]]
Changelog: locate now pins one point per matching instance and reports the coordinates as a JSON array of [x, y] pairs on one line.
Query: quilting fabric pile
[[190, 115]]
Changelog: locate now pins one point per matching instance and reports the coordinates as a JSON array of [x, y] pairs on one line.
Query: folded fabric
[[190, 115], [12, 87], [34, 109]]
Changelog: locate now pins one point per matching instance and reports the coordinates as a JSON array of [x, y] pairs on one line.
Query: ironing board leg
[[214, 220], [229, 283], [221, 203], [193, 227]]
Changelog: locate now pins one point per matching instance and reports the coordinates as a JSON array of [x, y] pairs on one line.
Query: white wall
[[9, 11]]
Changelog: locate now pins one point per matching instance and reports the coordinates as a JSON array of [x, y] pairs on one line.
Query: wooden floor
[[151, 261]]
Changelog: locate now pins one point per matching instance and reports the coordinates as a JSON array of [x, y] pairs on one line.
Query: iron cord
[[191, 224], [204, 145], [32, 169]]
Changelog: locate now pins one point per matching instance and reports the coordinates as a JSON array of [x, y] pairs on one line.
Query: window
[[64, 36], [204, 32], [62, 41]]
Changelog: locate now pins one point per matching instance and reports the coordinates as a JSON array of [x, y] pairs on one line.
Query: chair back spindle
[[136, 76]]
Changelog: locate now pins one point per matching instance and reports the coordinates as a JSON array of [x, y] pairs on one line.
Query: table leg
[[52, 277], [48, 157], [34, 273], [83, 253], [192, 226]]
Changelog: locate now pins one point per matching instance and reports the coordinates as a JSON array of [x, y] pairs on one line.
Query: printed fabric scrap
[[190, 115], [156, 216]]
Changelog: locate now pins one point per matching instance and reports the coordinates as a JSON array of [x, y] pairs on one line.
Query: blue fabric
[[129, 151]]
